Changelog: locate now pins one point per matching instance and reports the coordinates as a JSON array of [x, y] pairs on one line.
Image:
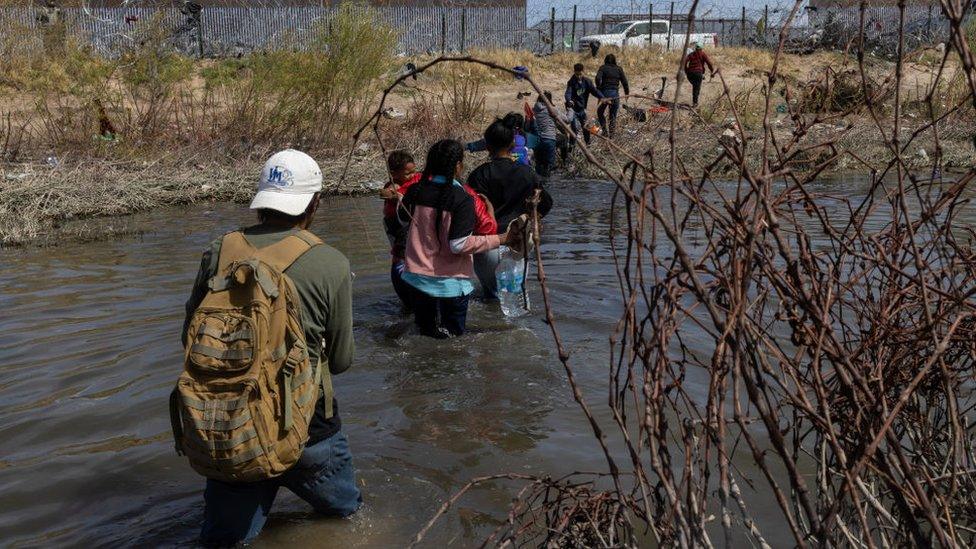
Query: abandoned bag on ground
[[241, 408]]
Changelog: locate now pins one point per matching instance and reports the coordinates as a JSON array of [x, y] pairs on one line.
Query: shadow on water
[[89, 349]]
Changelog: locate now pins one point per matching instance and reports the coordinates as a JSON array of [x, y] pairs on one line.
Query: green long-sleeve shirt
[[324, 284]]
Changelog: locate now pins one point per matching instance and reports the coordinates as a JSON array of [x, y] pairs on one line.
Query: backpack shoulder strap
[[309, 237], [286, 251], [233, 247]]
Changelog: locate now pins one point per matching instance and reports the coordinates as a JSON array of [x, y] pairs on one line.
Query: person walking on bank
[[608, 80], [268, 323], [578, 91], [508, 186], [440, 242], [548, 132], [695, 64]]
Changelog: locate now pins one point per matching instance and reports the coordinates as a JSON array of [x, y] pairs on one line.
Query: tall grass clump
[[314, 97], [18, 52]]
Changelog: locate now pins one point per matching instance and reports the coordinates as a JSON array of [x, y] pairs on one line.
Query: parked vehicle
[[641, 34]]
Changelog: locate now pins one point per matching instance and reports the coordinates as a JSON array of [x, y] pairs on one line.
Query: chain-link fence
[[227, 30], [759, 25]]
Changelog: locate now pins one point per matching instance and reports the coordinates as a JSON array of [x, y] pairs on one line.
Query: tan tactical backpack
[[240, 410]]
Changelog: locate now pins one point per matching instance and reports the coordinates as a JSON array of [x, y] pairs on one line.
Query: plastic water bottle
[[510, 276]]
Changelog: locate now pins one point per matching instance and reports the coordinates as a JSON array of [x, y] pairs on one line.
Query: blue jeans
[[614, 106], [545, 157], [579, 124], [485, 264], [324, 477]]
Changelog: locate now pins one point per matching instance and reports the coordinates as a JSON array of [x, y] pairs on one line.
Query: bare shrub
[[464, 100], [150, 76], [12, 137], [309, 98], [837, 359]]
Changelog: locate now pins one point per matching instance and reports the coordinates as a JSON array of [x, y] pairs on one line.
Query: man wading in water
[[233, 376], [508, 186]]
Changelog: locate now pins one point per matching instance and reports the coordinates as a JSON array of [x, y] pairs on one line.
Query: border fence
[[760, 26], [222, 31], [228, 30]]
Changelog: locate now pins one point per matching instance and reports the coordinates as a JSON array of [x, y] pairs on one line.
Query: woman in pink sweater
[[441, 241]]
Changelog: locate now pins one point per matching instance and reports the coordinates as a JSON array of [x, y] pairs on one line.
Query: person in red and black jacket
[[403, 175], [695, 64]]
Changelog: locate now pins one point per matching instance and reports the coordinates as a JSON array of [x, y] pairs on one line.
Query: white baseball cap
[[289, 180]]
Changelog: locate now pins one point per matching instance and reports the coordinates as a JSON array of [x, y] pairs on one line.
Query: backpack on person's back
[[241, 408]]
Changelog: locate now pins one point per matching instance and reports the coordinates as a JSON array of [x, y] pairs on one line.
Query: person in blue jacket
[[520, 152], [578, 91]]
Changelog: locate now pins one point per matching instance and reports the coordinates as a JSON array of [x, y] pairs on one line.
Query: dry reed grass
[[170, 111]]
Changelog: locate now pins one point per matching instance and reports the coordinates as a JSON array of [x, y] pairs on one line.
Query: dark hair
[[442, 160], [578, 67], [499, 136], [610, 59], [514, 120], [398, 160], [267, 214]]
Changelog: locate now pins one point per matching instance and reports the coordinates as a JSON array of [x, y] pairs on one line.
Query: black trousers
[[696, 79], [453, 313], [402, 289]]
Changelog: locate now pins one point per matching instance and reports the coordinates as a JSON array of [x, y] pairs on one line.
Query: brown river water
[[89, 350]]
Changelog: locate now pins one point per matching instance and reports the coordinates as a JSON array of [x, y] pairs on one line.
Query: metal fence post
[[722, 32], [742, 27], [765, 22], [573, 43], [670, 23], [650, 24], [443, 31], [199, 17], [552, 30], [464, 25]]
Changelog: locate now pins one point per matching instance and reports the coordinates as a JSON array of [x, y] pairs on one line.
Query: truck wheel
[[594, 48]]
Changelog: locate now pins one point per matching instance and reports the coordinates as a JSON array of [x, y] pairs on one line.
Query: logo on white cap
[[279, 177], [289, 180]]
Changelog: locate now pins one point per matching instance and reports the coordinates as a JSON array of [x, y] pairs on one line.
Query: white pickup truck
[[641, 34]]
